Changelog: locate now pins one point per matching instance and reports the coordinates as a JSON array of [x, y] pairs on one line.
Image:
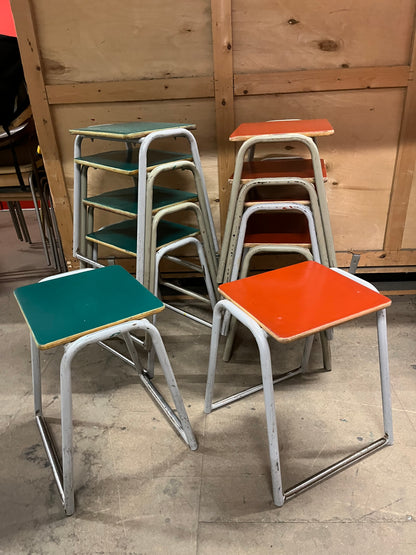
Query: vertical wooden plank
[[26, 34], [405, 164], [224, 96]]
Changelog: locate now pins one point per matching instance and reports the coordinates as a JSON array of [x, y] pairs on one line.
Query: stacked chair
[[23, 179], [147, 232]]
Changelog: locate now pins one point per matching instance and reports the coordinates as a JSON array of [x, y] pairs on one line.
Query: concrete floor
[[140, 490]]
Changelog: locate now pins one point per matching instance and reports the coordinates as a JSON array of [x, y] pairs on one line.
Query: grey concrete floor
[[139, 489]]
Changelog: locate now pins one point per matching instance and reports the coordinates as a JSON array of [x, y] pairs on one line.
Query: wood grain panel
[[276, 35], [121, 41], [224, 96]]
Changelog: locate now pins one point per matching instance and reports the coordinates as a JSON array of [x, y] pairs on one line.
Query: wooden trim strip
[[380, 259], [23, 16], [224, 96], [321, 80], [131, 91]]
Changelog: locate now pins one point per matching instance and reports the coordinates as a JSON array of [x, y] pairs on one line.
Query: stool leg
[[171, 382], [267, 385], [384, 374], [268, 390], [215, 337], [66, 420], [36, 377]]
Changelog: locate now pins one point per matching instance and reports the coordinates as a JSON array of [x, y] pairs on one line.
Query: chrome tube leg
[[22, 223], [36, 376], [384, 374], [171, 382], [66, 418]]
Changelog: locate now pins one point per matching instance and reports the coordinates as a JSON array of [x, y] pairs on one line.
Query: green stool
[[83, 307]]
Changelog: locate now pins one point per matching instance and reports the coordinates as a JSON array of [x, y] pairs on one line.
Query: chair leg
[[12, 212], [22, 222]]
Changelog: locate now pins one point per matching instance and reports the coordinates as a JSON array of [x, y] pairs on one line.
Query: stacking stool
[[291, 303], [83, 307]]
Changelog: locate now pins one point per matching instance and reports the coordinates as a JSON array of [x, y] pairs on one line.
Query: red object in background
[[7, 26]]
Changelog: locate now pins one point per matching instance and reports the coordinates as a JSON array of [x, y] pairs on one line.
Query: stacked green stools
[[147, 206], [75, 310]]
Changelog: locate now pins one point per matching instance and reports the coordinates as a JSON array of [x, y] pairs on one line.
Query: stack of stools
[[256, 182], [147, 231], [277, 204]]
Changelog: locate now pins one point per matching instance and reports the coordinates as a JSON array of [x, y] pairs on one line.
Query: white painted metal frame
[[245, 148], [261, 337]]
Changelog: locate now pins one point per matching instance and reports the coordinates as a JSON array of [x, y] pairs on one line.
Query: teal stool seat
[[124, 201], [125, 161], [84, 307]]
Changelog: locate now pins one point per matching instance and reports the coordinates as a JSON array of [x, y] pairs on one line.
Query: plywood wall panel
[[282, 36], [217, 63], [409, 237], [110, 41]]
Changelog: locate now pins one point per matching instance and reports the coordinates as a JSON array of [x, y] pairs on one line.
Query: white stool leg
[[171, 382], [36, 377], [215, 337], [66, 425], [267, 386], [384, 374]]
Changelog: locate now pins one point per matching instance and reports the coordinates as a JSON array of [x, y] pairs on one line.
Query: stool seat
[[61, 310], [308, 127], [302, 299]]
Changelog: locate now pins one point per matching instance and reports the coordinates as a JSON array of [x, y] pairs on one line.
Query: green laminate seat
[[58, 311], [128, 130], [122, 236], [126, 161], [124, 201]]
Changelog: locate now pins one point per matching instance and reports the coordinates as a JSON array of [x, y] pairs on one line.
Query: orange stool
[[291, 303]]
